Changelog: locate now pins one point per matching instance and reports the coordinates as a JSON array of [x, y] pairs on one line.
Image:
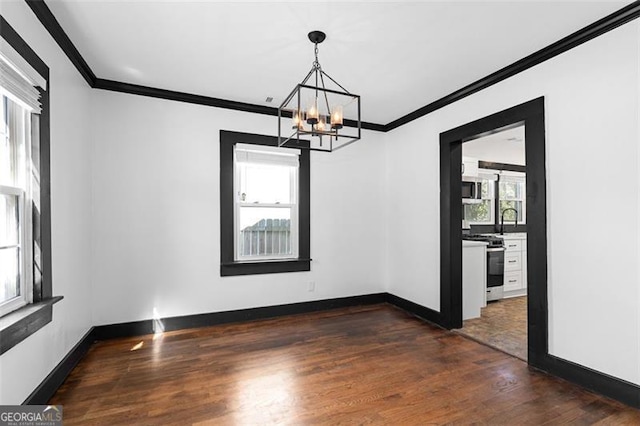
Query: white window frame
[[25, 224], [492, 198], [517, 178], [276, 157]]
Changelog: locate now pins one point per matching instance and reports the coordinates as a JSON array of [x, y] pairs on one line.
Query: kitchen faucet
[[502, 219]]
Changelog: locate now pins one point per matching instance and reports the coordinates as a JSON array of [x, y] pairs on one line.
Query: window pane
[[9, 273], [9, 225], [485, 193], [261, 183], [6, 151], [480, 212], [13, 151], [509, 190], [510, 215], [264, 231]]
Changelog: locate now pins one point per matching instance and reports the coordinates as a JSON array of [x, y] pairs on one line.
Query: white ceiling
[[505, 147], [397, 55]]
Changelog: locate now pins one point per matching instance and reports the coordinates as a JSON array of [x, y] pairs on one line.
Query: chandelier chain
[[316, 63]]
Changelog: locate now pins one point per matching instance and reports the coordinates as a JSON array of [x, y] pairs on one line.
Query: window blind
[[18, 87], [281, 156]]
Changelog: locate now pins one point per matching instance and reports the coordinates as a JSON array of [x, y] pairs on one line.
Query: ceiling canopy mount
[[317, 37]]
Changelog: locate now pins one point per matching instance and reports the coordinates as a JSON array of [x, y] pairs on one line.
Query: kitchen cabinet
[[474, 278], [469, 167], [515, 264]]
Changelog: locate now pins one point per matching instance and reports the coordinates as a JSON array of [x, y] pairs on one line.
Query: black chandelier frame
[[331, 138]]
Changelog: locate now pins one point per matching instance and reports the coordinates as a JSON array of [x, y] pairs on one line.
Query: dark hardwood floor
[[365, 365]]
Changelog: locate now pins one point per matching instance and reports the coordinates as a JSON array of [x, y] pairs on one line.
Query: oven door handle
[[492, 249]]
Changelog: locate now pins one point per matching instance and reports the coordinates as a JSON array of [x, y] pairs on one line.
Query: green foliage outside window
[[476, 213], [510, 215]]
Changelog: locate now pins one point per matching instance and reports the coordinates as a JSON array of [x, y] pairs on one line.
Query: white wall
[[23, 367], [156, 215], [593, 176]]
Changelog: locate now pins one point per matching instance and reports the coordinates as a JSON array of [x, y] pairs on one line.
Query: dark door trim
[[531, 114]]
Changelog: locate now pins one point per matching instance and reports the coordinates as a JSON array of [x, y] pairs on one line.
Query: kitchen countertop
[[510, 235], [514, 236], [467, 243]]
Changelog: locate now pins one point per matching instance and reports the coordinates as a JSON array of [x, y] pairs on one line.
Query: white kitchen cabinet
[[515, 264], [524, 268], [469, 167], [513, 245], [474, 278], [512, 281], [512, 261]]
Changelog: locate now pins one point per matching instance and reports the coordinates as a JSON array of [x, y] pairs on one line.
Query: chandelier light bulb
[[312, 114], [337, 117], [297, 120]]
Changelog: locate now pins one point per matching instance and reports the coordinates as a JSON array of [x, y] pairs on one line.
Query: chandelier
[[315, 114]]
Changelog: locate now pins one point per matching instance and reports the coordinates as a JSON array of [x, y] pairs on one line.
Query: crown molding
[[602, 26], [154, 92], [51, 24]]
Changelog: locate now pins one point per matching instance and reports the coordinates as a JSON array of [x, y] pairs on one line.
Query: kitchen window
[[512, 195], [264, 206], [482, 212]]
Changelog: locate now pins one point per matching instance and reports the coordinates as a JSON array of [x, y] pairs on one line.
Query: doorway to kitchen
[[529, 116], [494, 240]]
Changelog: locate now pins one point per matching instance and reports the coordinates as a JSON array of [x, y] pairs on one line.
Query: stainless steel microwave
[[471, 191]]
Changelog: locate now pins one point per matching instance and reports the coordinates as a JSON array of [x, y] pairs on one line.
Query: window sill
[[22, 323], [230, 269]]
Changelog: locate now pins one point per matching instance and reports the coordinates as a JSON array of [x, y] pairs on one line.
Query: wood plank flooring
[[502, 325], [364, 365]]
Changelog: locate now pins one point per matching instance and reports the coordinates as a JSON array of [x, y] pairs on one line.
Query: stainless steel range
[[495, 264]]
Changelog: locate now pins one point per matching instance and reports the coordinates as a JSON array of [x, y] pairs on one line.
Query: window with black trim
[[18, 184], [264, 206], [25, 202]]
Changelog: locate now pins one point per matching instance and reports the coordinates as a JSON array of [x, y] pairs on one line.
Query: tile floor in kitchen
[[502, 325]]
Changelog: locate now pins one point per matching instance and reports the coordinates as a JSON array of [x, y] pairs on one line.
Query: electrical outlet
[[312, 286]]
